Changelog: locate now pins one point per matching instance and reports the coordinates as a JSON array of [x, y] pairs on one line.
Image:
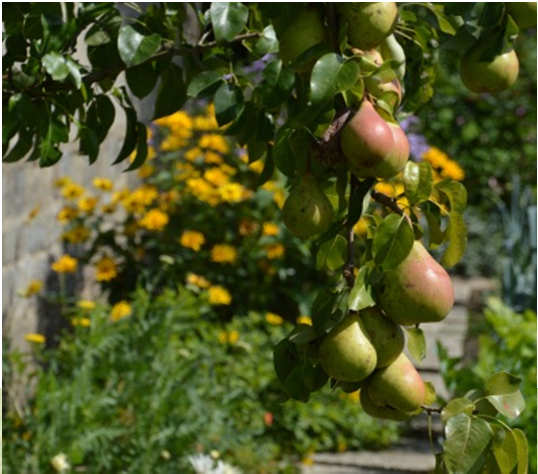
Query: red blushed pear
[[418, 290], [398, 386]]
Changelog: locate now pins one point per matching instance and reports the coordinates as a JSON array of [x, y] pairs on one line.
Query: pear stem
[[431, 410]]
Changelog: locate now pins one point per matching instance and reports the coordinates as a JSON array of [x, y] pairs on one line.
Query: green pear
[[385, 412], [346, 353], [391, 49], [493, 75], [372, 146], [369, 23], [304, 32], [398, 385], [523, 13], [386, 336], [307, 211], [418, 290]]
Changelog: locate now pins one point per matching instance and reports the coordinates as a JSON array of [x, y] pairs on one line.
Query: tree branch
[[387, 202], [244, 36]]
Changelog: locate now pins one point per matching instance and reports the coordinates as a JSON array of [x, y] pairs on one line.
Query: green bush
[[142, 387], [506, 342]]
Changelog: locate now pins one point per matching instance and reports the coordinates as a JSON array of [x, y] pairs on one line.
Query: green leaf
[[268, 42], [416, 343], [456, 193], [89, 143], [502, 383], [74, 72], [332, 253], [202, 82], [418, 181], [455, 407], [21, 148], [141, 79], [285, 358], [141, 147], [129, 141], [101, 116], [444, 22], [504, 449], [135, 48], [509, 405], [268, 169], [172, 92], [228, 19], [228, 103], [433, 217], [467, 439], [456, 233], [393, 241], [284, 159], [303, 334], [55, 65], [361, 295], [331, 74], [522, 447]]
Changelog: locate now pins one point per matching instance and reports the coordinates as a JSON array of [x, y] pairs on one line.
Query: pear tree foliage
[[301, 86]]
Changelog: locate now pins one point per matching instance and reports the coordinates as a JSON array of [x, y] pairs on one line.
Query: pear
[[523, 13], [373, 147], [369, 23], [385, 412], [304, 32], [346, 353], [418, 290], [391, 49], [307, 211], [386, 336], [492, 75], [399, 386]]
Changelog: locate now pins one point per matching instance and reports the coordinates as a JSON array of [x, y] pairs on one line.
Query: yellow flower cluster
[[77, 234], [218, 295], [441, 161], [180, 128], [105, 269], [65, 264], [192, 240], [223, 253], [120, 310], [270, 228], [86, 304], [228, 337], [81, 321], [197, 280], [136, 202], [104, 184], [274, 251], [67, 214], [33, 288], [274, 319]]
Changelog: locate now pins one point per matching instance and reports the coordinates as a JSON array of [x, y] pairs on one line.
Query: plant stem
[[387, 202], [431, 410]]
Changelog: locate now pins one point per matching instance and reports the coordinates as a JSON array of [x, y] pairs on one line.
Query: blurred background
[[140, 310]]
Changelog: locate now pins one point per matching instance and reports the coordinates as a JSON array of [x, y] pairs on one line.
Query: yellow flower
[[385, 188], [37, 338], [193, 154], [105, 269], [219, 295], [139, 198], [233, 192], [215, 142], [34, 212], [120, 310], [104, 184], [146, 170], [173, 142], [230, 337], [279, 197], [247, 227], [87, 204], [274, 319], [308, 460], [154, 220], [211, 157], [72, 191], [79, 321], [109, 208], [192, 239], [274, 251], [63, 181], [354, 396], [86, 304], [304, 320], [67, 214], [270, 228], [256, 166], [204, 123], [202, 190], [77, 234], [216, 177], [361, 227], [197, 280], [436, 157], [223, 253], [451, 169], [179, 123], [229, 170], [151, 151], [119, 196], [65, 264], [33, 288], [223, 337]]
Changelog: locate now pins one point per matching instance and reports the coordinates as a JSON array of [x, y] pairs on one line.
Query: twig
[[387, 202], [350, 266], [245, 36]]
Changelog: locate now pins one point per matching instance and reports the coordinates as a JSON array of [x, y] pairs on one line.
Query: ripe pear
[[304, 32], [385, 412], [391, 49], [346, 353], [373, 147], [523, 13], [418, 290], [369, 22], [399, 386], [307, 211], [386, 336], [494, 75]]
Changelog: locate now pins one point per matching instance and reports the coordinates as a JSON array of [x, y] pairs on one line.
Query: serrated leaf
[[502, 383], [418, 181], [332, 253], [456, 233], [393, 241], [455, 407], [228, 19], [135, 48], [361, 296], [467, 439], [228, 102], [202, 82], [55, 65], [416, 343], [522, 447]]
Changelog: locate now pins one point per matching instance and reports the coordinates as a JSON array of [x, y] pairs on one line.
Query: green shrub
[[142, 387]]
